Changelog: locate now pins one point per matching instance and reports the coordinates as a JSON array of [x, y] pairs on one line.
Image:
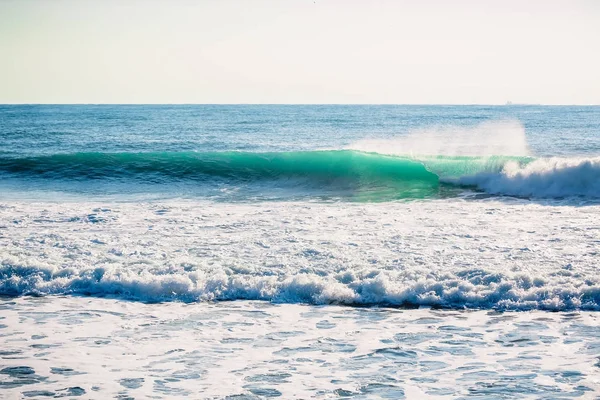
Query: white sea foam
[[257, 350], [455, 253], [544, 177]]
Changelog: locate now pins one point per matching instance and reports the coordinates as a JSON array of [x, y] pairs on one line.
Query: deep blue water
[[52, 129]]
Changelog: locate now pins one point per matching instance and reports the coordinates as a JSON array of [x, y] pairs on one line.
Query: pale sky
[[300, 51]]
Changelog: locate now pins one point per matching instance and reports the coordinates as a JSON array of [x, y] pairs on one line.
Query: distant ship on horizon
[[510, 103]]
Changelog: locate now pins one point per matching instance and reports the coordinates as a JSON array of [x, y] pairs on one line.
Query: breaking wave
[[387, 177], [470, 288], [550, 177]]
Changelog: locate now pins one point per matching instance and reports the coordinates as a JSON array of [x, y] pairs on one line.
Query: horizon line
[[508, 104]]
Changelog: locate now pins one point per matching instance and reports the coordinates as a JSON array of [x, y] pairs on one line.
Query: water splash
[[490, 138]]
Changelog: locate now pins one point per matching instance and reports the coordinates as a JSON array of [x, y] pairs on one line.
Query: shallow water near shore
[[103, 348]]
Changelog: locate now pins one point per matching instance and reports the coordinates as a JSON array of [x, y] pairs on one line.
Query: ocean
[[299, 251]]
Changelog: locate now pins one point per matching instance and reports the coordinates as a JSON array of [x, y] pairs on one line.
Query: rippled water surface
[[97, 348]]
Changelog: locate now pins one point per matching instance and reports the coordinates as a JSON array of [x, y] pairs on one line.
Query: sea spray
[[489, 138]]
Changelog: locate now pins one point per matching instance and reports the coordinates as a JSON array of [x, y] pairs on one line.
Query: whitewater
[[299, 251], [479, 254]]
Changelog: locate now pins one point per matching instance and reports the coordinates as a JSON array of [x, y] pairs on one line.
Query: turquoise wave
[[368, 176]]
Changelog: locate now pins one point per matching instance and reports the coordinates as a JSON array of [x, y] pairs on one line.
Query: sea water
[[299, 251]]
